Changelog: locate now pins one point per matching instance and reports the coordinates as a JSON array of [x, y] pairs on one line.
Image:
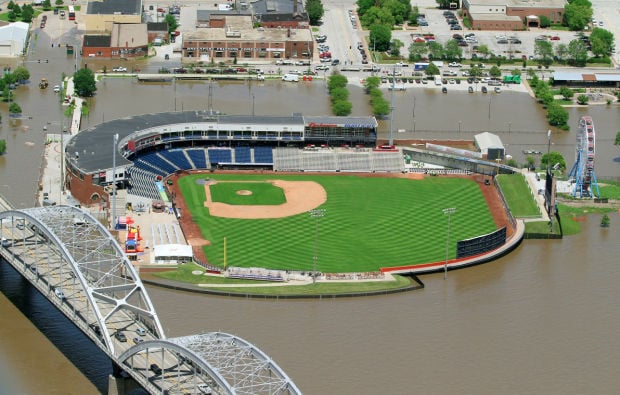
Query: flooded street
[[541, 320]]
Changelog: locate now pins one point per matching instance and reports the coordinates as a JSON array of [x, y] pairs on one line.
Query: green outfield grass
[[370, 222], [262, 193], [518, 195]]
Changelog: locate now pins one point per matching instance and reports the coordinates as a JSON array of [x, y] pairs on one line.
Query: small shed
[[490, 146]]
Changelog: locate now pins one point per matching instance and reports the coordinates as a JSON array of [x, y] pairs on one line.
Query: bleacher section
[[143, 183], [177, 157], [243, 155], [359, 160], [319, 161], [162, 163], [220, 155], [197, 155], [286, 159], [263, 155]]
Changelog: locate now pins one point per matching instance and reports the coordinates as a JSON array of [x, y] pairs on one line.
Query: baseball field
[[369, 222]]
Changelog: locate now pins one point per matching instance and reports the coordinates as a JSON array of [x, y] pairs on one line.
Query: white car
[[455, 64], [119, 69], [56, 88]]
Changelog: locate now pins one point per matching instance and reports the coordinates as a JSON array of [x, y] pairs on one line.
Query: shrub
[[583, 99]]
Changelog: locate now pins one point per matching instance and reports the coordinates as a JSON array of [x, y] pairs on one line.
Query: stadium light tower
[[449, 212], [316, 214], [114, 181]]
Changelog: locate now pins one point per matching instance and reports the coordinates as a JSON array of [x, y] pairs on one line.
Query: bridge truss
[[74, 261]]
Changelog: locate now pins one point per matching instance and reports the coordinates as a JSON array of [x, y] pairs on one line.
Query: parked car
[[555, 38], [454, 64], [119, 69]]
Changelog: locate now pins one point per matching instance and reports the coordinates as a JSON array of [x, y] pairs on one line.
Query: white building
[[490, 146], [13, 39]]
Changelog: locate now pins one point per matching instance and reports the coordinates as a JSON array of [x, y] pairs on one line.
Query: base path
[[301, 196]]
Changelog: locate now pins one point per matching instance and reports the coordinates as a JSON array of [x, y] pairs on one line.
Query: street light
[[449, 212], [316, 214], [114, 180]]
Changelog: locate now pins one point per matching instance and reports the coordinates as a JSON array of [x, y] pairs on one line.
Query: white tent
[[172, 253], [13, 39]]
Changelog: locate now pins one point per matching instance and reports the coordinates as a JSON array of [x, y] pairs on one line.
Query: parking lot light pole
[[316, 214], [449, 212]]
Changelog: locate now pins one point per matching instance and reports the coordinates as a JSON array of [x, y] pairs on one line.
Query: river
[[541, 320]]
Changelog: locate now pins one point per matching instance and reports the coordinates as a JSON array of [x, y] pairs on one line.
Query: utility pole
[[316, 214], [449, 212], [114, 181]]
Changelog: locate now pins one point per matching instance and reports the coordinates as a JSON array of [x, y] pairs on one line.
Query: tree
[[617, 142], [605, 221], [47, 5], [339, 94], [531, 162], [59, 2], [342, 108], [544, 21], [14, 108], [577, 14], [583, 99], [436, 50], [336, 81], [27, 13], [483, 50], [452, 50], [364, 5], [495, 72], [172, 23], [578, 53], [432, 70], [561, 50], [553, 158], [21, 74], [380, 36], [557, 115], [413, 15], [396, 46], [515, 72], [566, 92], [378, 16], [417, 51], [315, 11], [543, 49], [601, 41], [84, 83], [371, 83], [475, 71], [2, 147]]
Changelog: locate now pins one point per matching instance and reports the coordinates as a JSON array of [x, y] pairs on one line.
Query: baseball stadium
[[311, 195]]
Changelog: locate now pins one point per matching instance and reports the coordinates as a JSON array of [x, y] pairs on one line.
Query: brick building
[[511, 14], [237, 38], [123, 41]]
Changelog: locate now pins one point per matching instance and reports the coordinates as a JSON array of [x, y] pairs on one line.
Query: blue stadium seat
[[243, 155], [220, 155], [177, 156], [263, 155], [197, 156]]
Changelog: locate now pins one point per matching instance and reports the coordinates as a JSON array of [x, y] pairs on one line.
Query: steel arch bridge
[[74, 261]]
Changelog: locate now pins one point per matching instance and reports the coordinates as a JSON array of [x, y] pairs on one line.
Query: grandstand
[[152, 146]]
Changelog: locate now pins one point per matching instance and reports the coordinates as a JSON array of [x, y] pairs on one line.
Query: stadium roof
[[90, 150]]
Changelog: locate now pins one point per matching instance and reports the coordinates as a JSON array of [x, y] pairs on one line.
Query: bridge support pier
[[121, 385]]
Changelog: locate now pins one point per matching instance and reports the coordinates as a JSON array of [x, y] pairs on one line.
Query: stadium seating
[[159, 162], [263, 155], [243, 155], [287, 159], [220, 155], [143, 183], [354, 161], [319, 161], [197, 155], [177, 157]]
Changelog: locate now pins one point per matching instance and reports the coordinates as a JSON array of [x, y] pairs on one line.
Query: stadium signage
[[322, 125]]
